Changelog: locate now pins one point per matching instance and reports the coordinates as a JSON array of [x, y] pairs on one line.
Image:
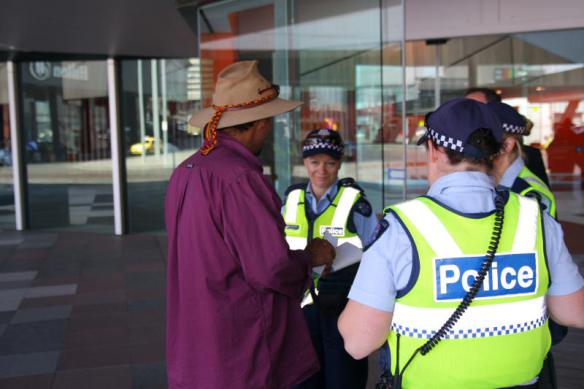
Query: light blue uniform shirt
[[364, 225], [387, 265], [512, 173]]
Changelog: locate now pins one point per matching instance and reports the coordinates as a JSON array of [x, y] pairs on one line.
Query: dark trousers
[[338, 370]]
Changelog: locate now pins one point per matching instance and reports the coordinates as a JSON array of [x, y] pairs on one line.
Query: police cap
[[511, 120], [452, 124], [323, 141]]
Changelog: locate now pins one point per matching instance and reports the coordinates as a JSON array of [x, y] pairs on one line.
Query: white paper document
[[346, 254]]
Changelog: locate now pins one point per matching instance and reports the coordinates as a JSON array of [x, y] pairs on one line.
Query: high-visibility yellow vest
[[527, 183], [333, 220], [503, 337]]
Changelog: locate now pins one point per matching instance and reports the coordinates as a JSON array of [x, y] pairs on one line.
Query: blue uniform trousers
[[338, 369]]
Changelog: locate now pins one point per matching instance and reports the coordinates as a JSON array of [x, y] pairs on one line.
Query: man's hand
[[321, 252]]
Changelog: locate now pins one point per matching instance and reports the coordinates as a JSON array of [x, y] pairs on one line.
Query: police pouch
[[333, 290]]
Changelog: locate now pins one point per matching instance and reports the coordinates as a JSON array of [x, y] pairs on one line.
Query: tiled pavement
[[81, 311], [86, 311]]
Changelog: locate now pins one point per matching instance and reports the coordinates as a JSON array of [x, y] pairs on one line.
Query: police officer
[[339, 207], [510, 171], [509, 167], [532, 155], [429, 261]]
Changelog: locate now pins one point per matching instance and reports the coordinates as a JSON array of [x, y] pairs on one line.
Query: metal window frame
[[119, 184], [19, 173]]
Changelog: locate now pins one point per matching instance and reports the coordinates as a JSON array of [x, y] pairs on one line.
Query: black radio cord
[[468, 298]]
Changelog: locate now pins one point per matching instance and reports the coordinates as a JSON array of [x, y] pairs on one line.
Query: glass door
[[67, 145]]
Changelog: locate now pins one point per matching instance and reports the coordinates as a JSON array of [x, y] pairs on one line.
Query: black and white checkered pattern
[[322, 146], [446, 141], [474, 332], [519, 130]]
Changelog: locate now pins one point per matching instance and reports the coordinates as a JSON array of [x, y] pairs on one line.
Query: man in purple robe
[[234, 286]]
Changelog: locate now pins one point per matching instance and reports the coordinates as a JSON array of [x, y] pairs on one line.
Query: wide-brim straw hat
[[240, 84]]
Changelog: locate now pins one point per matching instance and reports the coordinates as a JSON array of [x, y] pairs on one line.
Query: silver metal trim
[[118, 183], [18, 164], [155, 107]]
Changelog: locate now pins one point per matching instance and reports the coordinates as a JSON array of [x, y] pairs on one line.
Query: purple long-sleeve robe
[[234, 287]]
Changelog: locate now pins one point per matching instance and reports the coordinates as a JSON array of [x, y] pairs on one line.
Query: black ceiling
[[99, 28]]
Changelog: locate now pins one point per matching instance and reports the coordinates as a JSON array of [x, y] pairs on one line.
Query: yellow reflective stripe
[[431, 228], [344, 206], [292, 206], [526, 232]]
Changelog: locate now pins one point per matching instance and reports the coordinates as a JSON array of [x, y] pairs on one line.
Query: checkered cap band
[[323, 146], [484, 332], [519, 130], [446, 141]]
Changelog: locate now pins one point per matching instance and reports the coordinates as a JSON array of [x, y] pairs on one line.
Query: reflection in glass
[[328, 54], [67, 144], [540, 74], [157, 99]]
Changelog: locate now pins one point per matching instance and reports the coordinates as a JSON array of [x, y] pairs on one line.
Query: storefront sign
[[42, 71]]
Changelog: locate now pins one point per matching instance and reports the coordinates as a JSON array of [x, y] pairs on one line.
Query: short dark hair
[[483, 140], [490, 94]]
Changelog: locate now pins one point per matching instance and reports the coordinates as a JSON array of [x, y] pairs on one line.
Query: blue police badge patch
[[510, 275], [363, 207], [380, 228]]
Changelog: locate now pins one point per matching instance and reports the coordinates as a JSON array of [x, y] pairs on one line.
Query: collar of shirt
[[512, 172], [466, 192], [229, 142], [318, 206]]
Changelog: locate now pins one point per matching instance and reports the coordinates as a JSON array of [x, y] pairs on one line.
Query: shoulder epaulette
[[348, 181], [519, 185]]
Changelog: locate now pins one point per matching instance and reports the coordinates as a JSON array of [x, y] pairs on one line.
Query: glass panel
[[439, 70], [540, 74], [339, 80], [340, 73], [235, 31], [7, 220], [548, 88], [156, 139], [391, 133], [67, 138]]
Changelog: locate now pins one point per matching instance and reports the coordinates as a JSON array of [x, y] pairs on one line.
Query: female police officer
[[339, 207], [456, 315], [509, 167], [510, 171]]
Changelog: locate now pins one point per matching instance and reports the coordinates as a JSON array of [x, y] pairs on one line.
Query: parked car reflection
[[148, 147]]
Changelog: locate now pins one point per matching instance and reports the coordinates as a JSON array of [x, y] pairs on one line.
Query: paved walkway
[[86, 311], [81, 311]]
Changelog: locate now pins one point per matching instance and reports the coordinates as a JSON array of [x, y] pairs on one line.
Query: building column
[[17, 146], [117, 150], [282, 75]]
